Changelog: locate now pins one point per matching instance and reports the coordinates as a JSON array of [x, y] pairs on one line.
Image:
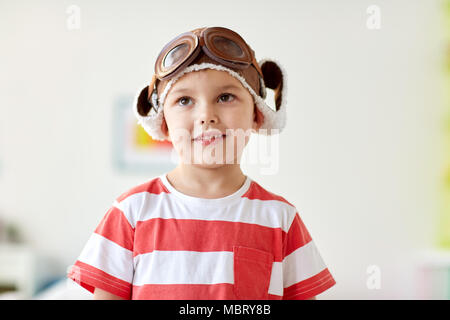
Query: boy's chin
[[210, 165]]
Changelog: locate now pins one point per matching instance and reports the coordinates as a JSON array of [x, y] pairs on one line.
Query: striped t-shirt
[[158, 243]]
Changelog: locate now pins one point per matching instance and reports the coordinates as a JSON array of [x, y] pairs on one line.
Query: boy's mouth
[[206, 142], [209, 137]]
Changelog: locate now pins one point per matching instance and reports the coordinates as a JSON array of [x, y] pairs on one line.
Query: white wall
[[359, 157]]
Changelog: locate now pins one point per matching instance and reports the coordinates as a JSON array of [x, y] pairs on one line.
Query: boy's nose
[[207, 116], [208, 121]]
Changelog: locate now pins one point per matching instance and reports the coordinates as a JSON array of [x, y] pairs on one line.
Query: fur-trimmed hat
[[148, 106]]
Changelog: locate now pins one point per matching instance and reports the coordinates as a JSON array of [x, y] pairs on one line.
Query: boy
[[205, 230]]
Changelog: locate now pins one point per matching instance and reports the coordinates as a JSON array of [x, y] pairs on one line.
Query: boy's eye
[[228, 97], [183, 101]]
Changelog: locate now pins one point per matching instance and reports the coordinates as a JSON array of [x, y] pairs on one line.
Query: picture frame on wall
[[134, 150]]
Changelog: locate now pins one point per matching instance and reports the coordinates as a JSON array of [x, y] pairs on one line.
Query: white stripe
[[109, 257], [302, 264], [276, 279], [130, 208], [183, 267], [269, 213], [193, 267]]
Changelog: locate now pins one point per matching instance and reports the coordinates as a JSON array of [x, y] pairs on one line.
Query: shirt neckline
[[227, 200]]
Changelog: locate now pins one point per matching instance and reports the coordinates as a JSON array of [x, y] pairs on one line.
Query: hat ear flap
[[273, 79], [146, 109], [143, 105], [146, 100]]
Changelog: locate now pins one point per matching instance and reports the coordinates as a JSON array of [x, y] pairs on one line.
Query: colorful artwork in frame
[[134, 150]]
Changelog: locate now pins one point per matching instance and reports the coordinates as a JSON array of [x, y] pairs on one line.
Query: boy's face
[[204, 100]]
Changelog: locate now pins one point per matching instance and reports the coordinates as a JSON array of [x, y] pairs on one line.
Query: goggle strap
[[151, 88], [151, 92]]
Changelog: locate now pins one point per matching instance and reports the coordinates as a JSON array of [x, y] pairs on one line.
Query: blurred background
[[365, 156]]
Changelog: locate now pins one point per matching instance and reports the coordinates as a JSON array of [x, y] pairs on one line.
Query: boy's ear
[[165, 129], [258, 119]]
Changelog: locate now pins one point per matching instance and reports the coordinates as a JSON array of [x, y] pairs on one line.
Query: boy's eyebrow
[[229, 86]]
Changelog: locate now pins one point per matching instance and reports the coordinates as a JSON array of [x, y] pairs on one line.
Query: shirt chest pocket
[[252, 269]]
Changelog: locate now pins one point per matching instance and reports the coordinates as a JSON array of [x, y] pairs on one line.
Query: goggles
[[220, 44]]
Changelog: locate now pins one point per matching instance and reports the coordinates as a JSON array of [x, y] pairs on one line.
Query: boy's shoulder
[[274, 204], [258, 192], [154, 186]]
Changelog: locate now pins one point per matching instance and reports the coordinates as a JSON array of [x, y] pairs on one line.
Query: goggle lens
[[176, 55], [228, 47]]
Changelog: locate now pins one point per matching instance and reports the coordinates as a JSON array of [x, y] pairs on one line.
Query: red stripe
[[255, 191], [115, 227], [90, 278], [205, 235], [153, 186], [310, 287], [297, 236], [221, 291]]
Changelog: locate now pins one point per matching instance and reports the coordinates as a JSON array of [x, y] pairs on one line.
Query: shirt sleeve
[[305, 274], [106, 261]]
